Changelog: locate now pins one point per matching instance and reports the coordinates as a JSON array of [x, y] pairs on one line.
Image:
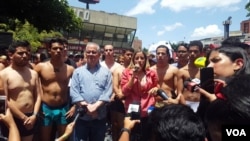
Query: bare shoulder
[[70, 69], [33, 72], [118, 70], [173, 68], [39, 66], [2, 66], [4, 72], [183, 69]]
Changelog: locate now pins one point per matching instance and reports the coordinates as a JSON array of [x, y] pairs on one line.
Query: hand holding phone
[[2, 104], [134, 111]]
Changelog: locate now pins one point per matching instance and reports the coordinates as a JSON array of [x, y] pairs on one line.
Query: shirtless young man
[[190, 72], [54, 75], [118, 110], [167, 74], [22, 88], [109, 63]]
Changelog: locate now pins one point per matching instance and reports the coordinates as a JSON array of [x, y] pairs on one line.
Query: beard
[[21, 63]]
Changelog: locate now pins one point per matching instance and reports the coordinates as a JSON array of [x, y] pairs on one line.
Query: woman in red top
[[138, 85]]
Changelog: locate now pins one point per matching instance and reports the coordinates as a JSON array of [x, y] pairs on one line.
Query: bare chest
[[49, 77], [20, 81]]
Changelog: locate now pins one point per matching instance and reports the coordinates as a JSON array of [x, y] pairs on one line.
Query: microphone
[[190, 85], [80, 112], [136, 67], [200, 62], [162, 94]]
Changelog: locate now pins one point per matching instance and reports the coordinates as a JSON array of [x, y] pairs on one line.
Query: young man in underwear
[[190, 73], [55, 75], [22, 88]]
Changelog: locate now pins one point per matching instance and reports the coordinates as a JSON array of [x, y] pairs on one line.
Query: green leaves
[[43, 14]]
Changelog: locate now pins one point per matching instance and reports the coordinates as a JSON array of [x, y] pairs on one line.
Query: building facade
[[245, 26], [102, 28]]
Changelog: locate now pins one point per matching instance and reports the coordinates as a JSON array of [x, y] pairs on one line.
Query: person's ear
[[10, 55], [238, 64]]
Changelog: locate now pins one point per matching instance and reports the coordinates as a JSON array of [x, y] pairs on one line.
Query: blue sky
[[175, 20]]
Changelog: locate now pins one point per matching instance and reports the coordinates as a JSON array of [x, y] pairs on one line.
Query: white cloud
[[169, 28], [154, 27], [208, 31], [143, 7], [233, 8], [179, 5], [173, 27], [159, 33]]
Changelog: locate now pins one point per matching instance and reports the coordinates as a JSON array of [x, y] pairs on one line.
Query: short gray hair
[[93, 44]]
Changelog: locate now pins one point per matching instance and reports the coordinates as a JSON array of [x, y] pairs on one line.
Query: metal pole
[[226, 24]]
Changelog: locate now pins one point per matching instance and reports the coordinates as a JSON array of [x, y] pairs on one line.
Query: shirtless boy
[[54, 75], [190, 72], [22, 88]]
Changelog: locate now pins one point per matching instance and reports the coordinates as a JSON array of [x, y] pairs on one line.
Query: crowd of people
[[57, 96]]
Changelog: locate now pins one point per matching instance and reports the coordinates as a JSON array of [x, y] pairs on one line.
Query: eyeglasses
[[108, 50], [93, 52]]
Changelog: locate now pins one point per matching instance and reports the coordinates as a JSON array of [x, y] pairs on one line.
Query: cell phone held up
[[134, 111], [207, 79], [2, 104]]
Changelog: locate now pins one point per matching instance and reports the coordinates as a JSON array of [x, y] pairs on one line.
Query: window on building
[[246, 27]]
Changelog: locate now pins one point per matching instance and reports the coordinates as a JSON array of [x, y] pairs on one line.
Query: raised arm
[[10, 123]]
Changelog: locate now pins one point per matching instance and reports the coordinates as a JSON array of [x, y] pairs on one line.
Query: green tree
[[28, 32], [43, 14], [174, 46], [247, 7], [145, 50]]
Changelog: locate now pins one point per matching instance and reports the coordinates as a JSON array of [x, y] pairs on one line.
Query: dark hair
[[196, 43], [234, 52], [56, 40], [44, 56], [234, 41], [183, 44], [65, 41], [237, 93], [176, 122], [18, 43], [234, 109], [128, 49], [163, 46]]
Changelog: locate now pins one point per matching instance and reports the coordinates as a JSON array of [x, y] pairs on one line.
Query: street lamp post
[[226, 24]]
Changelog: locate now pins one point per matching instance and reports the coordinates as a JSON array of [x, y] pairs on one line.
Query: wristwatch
[[125, 130]]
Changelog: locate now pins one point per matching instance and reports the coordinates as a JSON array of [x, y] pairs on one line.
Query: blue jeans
[[93, 130]]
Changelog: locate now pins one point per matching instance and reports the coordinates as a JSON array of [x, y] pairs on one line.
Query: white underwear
[[193, 105]]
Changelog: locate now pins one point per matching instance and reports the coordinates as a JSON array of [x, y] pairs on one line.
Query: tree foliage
[[43, 14], [28, 32], [174, 46], [247, 7]]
